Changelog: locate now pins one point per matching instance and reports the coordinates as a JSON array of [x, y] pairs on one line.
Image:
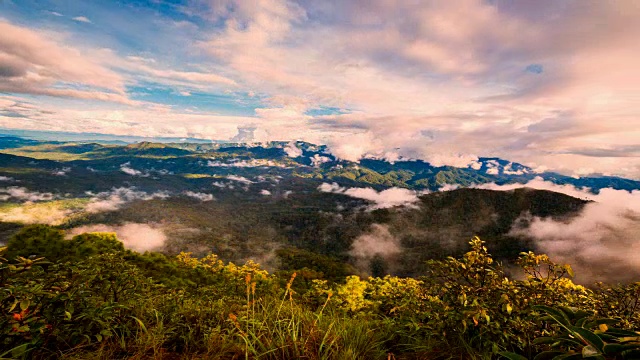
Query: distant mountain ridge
[[299, 159]]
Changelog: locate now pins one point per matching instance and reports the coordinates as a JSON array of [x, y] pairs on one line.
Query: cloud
[[24, 194], [472, 88], [317, 160], [34, 63], [115, 199], [82, 19], [601, 242], [378, 241], [540, 184], [148, 69], [292, 150], [204, 197], [240, 179], [352, 147], [62, 172], [125, 168], [137, 237], [382, 199], [246, 163], [449, 187], [439, 82]]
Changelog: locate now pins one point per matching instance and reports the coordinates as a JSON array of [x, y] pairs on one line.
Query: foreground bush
[[107, 303]]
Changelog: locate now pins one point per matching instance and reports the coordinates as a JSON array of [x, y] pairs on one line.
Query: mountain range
[[299, 159], [287, 205]]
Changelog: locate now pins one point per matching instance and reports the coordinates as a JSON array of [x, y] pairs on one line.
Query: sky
[[550, 84]]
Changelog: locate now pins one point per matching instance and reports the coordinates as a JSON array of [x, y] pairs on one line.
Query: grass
[[45, 152]]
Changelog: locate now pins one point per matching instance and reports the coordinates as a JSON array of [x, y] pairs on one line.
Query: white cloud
[[439, 82], [127, 169], [83, 19], [137, 237], [200, 196], [33, 62], [475, 165], [240, 179], [540, 184], [317, 160], [246, 163], [601, 242], [449, 187], [383, 199], [62, 172], [292, 150], [24, 194], [115, 199], [378, 241]]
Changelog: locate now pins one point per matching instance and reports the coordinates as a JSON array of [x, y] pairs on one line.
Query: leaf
[[512, 356], [568, 357], [590, 351], [509, 309], [591, 338], [633, 339], [622, 333], [547, 355], [631, 354], [16, 352], [67, 315], [581, 322], [140, 323], [610, 349], [557, 315], [570, 271], [24, 304], [544, 340], [594, 323]]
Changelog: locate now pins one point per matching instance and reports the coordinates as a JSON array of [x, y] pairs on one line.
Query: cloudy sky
[[545, 83]]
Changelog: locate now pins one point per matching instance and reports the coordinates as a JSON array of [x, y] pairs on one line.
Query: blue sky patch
[[534, 69]]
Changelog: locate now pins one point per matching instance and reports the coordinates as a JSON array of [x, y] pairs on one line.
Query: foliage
[[579, 334], [49, 242], [102, 302]]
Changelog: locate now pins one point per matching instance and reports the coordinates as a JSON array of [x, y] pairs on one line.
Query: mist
[[382, 199], [204, 197], [137, 237], [23, 194], [377, 242], [115, 199], [602, 242]]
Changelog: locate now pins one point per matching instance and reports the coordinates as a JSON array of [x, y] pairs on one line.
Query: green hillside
[[88, 298]]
